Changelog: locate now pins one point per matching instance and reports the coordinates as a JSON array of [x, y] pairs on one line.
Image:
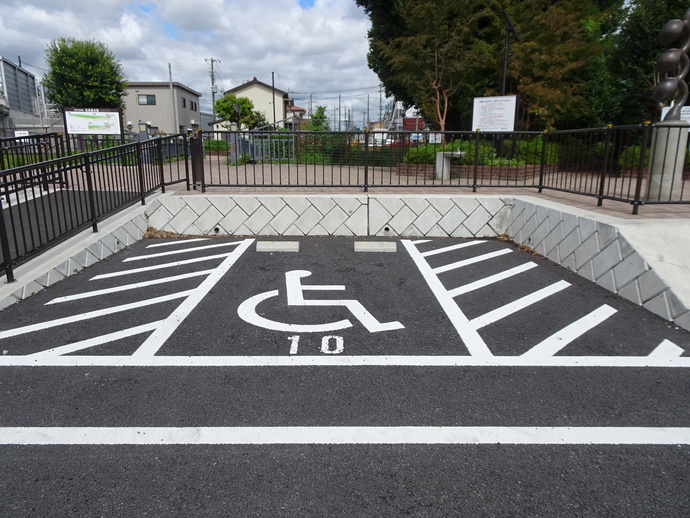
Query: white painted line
[[178, 242], [667, 349], [95, 341], [469, 335], [126, 287], [265, 435], [154, 342], [345, 361], [277, 246], [180, 251], [92, 314], [376, 246], [451, 248], [560, 339], [160, 266], [471, 260], [487, 281], [515, 306]]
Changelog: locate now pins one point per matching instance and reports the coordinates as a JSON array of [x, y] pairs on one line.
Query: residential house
[[161, 108], [266, 98]]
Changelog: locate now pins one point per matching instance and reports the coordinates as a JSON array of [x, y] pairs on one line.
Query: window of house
[[147, 99], [184, 102], [192, 106]]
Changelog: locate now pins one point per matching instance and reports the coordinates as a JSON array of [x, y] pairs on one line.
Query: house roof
[[255, 81], [161, 84], [294, 108]]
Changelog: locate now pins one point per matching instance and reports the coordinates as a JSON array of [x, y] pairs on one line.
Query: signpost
[[93, 121]]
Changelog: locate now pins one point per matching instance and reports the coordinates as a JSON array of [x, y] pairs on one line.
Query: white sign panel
[[494, 113], [92, 121]]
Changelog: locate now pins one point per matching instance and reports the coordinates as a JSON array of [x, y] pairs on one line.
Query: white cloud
[[320, 50]]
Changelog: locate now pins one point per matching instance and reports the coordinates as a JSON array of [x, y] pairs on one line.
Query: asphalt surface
[[272, 343]]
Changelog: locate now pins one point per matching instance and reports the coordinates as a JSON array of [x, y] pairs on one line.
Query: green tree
[[319, 120], [445, 56], [551, 60], [439, 54], [387, 24], [83, 74], [227, 109], [634, 51]]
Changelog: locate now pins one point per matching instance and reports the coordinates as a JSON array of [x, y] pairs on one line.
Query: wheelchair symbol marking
[[295, 297]]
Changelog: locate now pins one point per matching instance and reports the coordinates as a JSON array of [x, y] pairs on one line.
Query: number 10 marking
[[325, 344]]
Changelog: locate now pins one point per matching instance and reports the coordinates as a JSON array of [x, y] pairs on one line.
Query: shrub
[[244, 159], [211, 146], [630, 157]]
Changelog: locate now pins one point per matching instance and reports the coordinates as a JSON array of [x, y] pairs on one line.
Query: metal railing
[[43, 203], [19, 151], [609, 163]]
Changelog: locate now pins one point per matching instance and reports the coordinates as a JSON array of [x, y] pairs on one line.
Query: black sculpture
[[669, 60]]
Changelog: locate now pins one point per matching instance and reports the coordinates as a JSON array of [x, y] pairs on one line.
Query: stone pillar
[[665, 177]]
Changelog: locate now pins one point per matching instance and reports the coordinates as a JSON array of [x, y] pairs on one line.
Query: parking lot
[[234, 376]]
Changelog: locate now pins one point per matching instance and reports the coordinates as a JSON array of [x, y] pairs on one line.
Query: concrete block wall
[[332, 215], [597, 251]]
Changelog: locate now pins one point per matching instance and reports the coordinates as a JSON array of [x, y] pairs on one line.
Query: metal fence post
[[542, 166], [476, 161], [602, 181], [640, 167], [366, 160], [159, 148], [140, 167], [92, 194], [5, 243], [185, 143]]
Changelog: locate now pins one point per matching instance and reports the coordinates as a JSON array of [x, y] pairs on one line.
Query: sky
[[314, 48]]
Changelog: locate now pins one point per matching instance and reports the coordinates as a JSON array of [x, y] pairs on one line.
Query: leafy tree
[[387, 24], [445, 55], [319, 120], [551, 60], [634, 51], [83, 74], [247, 117], [439, 54]]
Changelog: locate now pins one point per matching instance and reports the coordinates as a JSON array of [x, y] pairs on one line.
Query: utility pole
[[173, 103], [273, 87], [214, 89], [380, 102]]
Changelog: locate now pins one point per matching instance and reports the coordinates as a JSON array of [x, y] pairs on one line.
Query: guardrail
[[44, 203]]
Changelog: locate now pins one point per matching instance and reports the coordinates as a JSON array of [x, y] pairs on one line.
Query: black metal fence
[[43, 203], [609, 163], [47, 192]]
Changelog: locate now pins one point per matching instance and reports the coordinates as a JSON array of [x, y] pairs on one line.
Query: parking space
[[234, 376], [444, 302]]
